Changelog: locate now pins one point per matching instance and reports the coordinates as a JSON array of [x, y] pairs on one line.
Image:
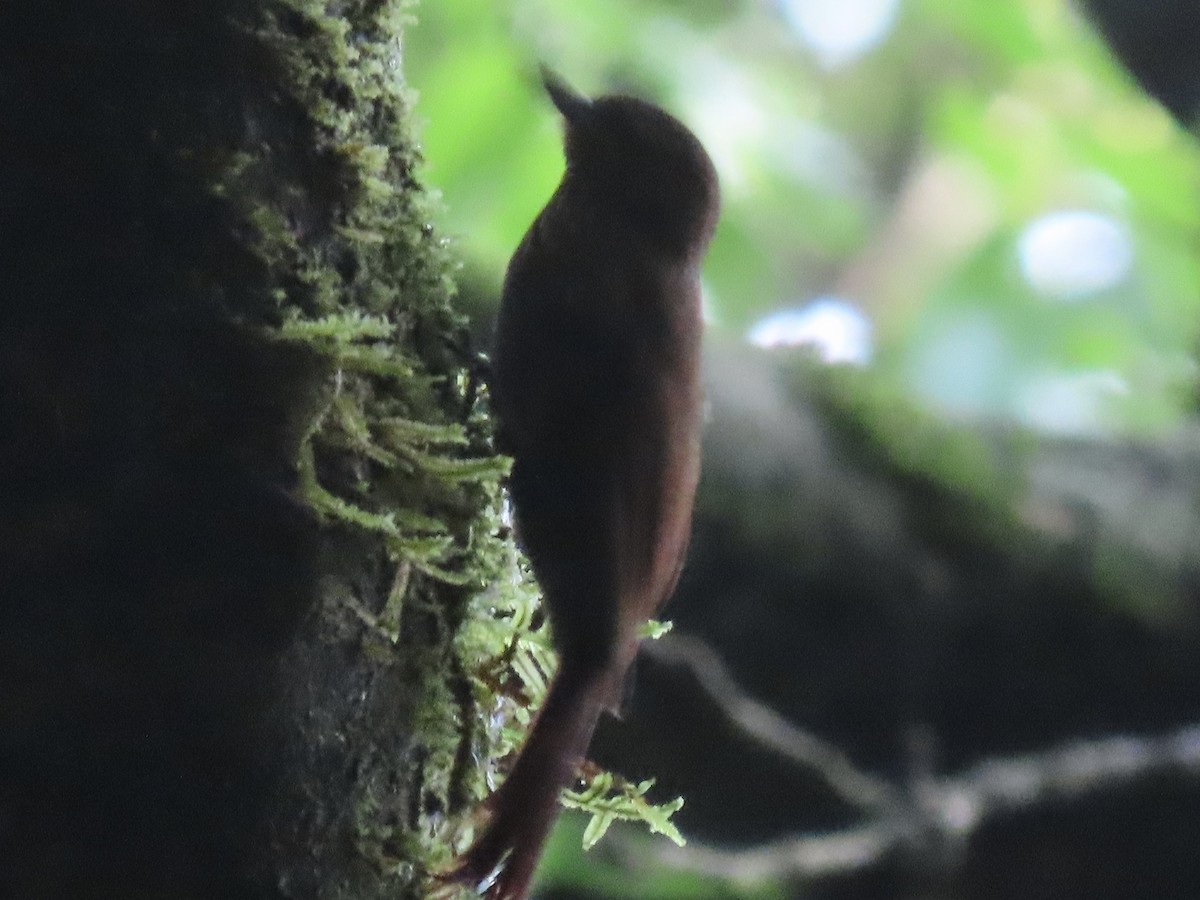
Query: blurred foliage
[[899, 173], [982, 182], [608, 875]]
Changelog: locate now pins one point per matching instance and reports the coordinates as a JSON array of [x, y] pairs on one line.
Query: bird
[[596, 387]]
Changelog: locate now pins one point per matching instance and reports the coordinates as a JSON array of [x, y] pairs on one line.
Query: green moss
[[396, 459]]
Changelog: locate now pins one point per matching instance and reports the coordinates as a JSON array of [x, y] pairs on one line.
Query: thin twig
[[764, 725], [949, 809]]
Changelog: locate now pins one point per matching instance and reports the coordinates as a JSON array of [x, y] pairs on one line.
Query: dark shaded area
[[154, 565], [146, 594], [1128, 844], [1156, 40]]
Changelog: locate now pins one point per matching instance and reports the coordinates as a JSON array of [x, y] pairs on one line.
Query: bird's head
[[644, 162]]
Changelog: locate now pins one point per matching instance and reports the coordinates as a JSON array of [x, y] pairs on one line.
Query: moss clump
[[396, 461]]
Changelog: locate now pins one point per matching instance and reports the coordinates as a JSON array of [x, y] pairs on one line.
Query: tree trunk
[[246, 491]]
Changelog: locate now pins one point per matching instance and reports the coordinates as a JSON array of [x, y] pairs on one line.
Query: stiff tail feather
[[524, 808]]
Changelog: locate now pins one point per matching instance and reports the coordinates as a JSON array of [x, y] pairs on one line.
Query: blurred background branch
[[949, 810]]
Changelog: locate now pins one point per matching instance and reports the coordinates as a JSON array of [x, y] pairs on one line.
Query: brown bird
[[596, 384]]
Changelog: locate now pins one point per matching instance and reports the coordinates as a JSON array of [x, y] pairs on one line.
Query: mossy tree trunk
[[247, 493]]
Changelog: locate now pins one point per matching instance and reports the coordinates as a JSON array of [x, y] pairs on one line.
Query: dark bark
[[202, 504]]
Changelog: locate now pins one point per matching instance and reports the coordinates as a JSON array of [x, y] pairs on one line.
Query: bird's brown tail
[[526, 804]]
